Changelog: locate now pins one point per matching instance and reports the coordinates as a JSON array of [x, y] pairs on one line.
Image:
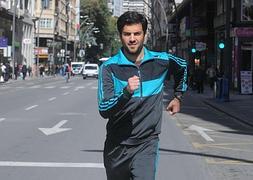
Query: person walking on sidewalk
[[211, 75], [130, 95], [199, 77], [24, 71]]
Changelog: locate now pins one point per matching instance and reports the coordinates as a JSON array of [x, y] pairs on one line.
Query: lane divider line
[[52, 98], [51, 164], [31, 107], [2, 119]]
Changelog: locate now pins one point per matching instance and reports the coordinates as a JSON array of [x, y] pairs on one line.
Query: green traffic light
[[221, 45], [193, 50]]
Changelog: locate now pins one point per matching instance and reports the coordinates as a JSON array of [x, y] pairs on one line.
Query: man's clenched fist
[[133, 84]]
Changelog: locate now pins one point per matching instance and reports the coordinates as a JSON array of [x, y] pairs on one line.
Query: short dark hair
[[132, 17]]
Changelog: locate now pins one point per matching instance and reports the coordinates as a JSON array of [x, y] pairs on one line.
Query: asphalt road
[[51, 130]]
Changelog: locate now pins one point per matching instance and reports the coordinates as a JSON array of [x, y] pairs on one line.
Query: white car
[[90, 70], [77, 67]]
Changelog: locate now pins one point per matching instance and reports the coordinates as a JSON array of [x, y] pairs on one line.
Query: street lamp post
[[38, 42], [67, 31], [13, 35], [86, 18], [177, 23]]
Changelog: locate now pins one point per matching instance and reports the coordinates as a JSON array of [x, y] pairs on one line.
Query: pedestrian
[[211, 75], [16, 72], [3, 69], [130, 95], [29, 69], [24, 71], [41, 69], [66, 70], [199, 77], [1, 74]]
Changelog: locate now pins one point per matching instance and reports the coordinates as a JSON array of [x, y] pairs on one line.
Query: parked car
[[90, 70]]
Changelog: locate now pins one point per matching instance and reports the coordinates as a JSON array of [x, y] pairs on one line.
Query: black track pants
[[128, 162]]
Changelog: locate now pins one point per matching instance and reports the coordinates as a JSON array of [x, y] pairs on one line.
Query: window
[[220, 7], [46, 23], [247, 10]]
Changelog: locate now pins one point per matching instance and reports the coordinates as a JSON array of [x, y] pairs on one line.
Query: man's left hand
[[174, 106]]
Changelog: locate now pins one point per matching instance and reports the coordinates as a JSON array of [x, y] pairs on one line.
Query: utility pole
[[67, 31], [44, 5], [13, 35], [177, 24], [228, 48]]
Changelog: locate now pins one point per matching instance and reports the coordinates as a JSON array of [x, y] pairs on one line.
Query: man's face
[[132, 38]]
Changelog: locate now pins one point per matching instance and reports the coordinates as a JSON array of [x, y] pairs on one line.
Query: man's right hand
[[133, 84]]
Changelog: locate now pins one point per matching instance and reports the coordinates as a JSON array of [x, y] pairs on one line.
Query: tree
[[98, 13]]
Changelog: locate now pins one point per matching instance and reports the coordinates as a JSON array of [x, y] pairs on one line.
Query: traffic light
[[221, 40], [193, 50], [221, 44]]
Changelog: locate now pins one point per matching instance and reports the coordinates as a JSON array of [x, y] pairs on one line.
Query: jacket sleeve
[[178, 67], [110, 103]]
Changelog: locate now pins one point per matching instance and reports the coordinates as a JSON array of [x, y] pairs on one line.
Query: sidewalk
[[19, 79], [239, 107]]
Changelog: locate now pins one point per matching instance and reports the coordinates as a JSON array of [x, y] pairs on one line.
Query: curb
[[229, 114]]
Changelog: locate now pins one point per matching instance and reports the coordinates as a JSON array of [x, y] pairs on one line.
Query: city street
[[50, 129]]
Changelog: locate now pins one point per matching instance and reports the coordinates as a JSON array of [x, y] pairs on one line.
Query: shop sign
[[27, 41], [244, 32], [3, 42], [41, 51], [246, 82], [200, 46]]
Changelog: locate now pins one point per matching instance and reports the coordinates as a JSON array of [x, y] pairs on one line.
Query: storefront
[[242, 58]]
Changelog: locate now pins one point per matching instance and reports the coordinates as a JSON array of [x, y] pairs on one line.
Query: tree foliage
[[98, 13]]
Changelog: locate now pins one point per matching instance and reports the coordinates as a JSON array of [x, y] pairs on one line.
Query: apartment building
[[55, 30], [23, 34], [142, 6], [115, 7]]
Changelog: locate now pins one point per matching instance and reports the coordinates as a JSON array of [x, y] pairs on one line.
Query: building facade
[[199, 29], [56, 31], [23, 35], [115, 7]]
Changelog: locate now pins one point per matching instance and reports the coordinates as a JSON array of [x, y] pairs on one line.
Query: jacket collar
[[148, 55]]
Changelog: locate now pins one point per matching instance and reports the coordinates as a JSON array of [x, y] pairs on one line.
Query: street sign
[[200, 46], [3, 42], [27, 41], [81, 53]]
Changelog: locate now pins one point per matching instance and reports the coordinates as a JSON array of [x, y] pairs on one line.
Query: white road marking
[[89, 84], [65, 87], [52, 98], [2, 119], [79, 87], [49, 87], [55, 129], [50, 164], [31, 107], [66, 93], [72, 114], [36, 86], [94, 87], [201, 130]]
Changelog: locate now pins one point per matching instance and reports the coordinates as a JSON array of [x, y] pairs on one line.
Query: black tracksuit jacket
[[136, 118]]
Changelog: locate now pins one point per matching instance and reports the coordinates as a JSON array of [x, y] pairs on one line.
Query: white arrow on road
[[201, 131], [55, 129]]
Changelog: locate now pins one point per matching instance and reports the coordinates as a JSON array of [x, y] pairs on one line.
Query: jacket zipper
[[139, 73]]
